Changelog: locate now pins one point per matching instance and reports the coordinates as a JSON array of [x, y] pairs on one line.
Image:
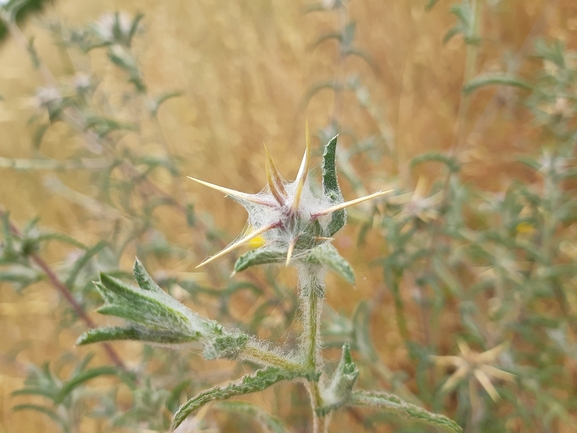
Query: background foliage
[[474, 254]]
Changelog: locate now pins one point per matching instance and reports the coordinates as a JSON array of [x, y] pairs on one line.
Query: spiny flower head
[[294, 221]]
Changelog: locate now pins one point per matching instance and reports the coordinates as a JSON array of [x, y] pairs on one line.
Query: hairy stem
[[256, 353], [312, 292]]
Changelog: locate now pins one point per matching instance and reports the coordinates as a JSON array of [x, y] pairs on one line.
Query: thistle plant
[[296, 225]]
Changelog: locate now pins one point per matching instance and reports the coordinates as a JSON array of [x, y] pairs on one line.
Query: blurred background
[[103, 116]]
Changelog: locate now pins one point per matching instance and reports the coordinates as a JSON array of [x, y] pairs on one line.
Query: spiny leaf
[[331, 186], [394, 404], [327, 255], [259, 256], [258, 381], [495, 80]]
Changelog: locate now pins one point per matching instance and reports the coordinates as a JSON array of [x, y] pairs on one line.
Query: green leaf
[[258, 381], [48, 393], [495, 80], [134, 27], [135, 333], [313, 90], [339, 391], [260, 256], [143, 278], [327, 37], [39, 135], [431, 4], [266, 420], [326, 254], [46, 411], [153, 309], [87, 375], [59, 237], [158, 318], [451, 163], [361, 326], [394, 404], [331, 188], [83, 261]]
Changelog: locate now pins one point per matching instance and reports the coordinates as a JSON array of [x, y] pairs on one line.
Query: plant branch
[[65, 292]]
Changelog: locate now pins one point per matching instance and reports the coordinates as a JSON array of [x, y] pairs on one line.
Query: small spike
[[303, 171], [464, 347], [234, 193], [348, 204], [274, 180], [290, 251], [487, 385], [239, 243]]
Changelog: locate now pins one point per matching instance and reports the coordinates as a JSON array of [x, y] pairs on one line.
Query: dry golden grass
[[244, 67]]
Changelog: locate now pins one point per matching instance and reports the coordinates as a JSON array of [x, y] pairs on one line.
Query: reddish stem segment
[[59, 285]]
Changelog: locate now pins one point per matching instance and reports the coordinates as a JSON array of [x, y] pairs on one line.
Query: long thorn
[[239, 243], [348, 204], [274, 180], [290, 251], [234, 193], [303, 171]]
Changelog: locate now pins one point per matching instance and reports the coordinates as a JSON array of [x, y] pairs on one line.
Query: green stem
[[256, 353], [470, 71], [312, 291]]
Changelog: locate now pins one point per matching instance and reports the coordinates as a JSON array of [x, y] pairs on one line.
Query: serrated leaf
[[394, 404], [258, 381], [260, 256], [331, 188], [495, 80], [266, 420], [327, 255]]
